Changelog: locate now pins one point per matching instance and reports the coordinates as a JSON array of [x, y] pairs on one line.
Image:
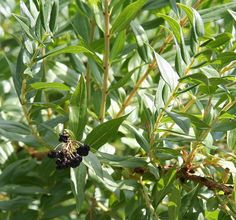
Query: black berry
[[87, 147], [67, 156], [60, 154], [75, 161], [59, 162], [63, 138], [83, 150]]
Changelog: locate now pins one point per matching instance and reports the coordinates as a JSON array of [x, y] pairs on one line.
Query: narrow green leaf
[[139, 138], [16, 203], [179, 64], [167, 72], [126, 16], [175, 26], [195, 120], [233, 14], [38, 29], [188, 11], [174, 202], [122, 161], [46, 105], [231, 139], [16, 127], [187, 200], [178, 33], [16, 170], [92, 162], [118, 45], [104, 132], [45, 11], [122, 81], [98, 15], [78, 178], [17, 72], [212, 204], [154, 23], [24, 26], [142, 42], [163, 187], [26, 12], [217, 11], [224, 58], [225, 125], [218, 41], [182, 122], [195, 19], [95, 71], [84, 9], [174, 6], [145, 53], [57, 211], [215, 81], [198, 23], [78, 109], [195, 78], [140, 34], [18, 189], [69, 49], [153, 4], [80, 25], [42, 16], [162, 94], [53, 85], [54, 15]]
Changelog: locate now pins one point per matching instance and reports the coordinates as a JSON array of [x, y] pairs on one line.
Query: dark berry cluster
[[66, 159], [71, 152]]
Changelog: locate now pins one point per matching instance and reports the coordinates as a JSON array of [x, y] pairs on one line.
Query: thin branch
[[184, 174], [136, 87], [148, 201], [105, 61], [23, 102]]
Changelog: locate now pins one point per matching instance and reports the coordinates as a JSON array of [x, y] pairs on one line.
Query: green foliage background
[[148, 84]]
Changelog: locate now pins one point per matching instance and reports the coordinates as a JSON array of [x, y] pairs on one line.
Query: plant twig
[[148, 201], [105, 61], [136, 87], [23, 102], [211, 184]]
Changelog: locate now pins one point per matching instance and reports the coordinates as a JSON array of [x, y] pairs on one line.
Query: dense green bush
[[149, 85]]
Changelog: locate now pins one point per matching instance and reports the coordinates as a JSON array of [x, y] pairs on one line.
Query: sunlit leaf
[[104, 132], [78, 109], [53, 85], [167, 72], [126, 16]]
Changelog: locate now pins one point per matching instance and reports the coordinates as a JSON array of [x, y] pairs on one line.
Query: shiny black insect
[[69, 152]]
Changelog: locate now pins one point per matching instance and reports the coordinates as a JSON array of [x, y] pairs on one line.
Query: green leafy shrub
[[149, 86]]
